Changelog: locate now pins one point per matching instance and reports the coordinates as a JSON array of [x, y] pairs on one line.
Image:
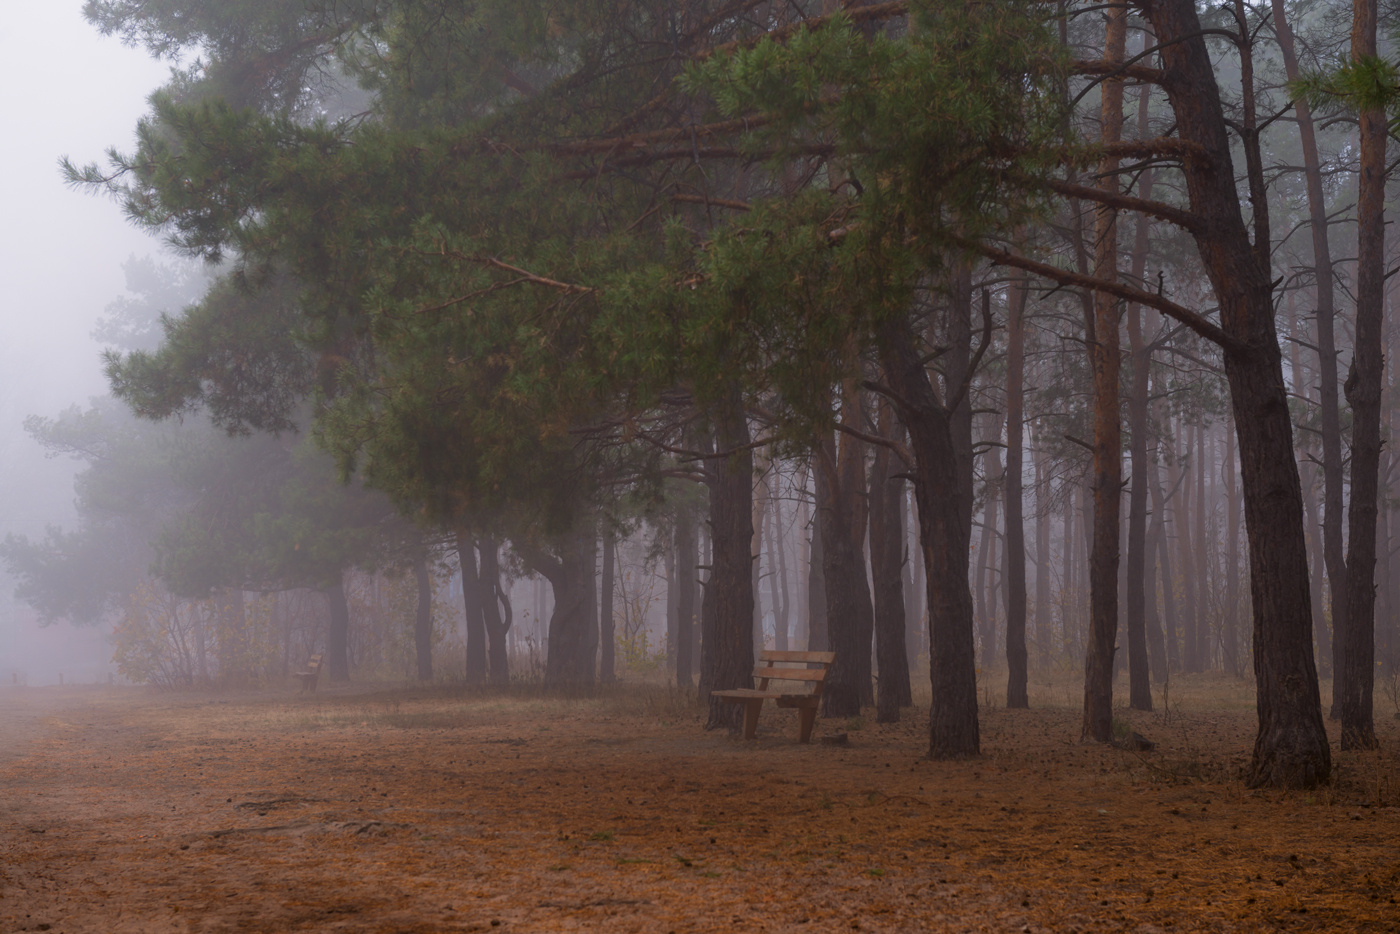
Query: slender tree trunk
[[338, 636], [1332, 470], [1231, 617], [1015, 579], [817, 638], [1363, 392], [423, 620], [778, 576], [1043, 624], [1068, 590], [1173, 658], [727, 651], [987, 584], [886, 560], [847, 590], [607, 636], [1204, 541], [1181, 520], [1291, 748], [687, 557], [472, 603], [1105, 359], [496, 624]]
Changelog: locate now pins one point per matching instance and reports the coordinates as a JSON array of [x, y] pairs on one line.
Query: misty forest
[[682, 465]]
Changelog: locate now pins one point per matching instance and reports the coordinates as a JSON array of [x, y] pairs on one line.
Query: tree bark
[[1105, 359], [687, 557], [1330, 408], [571, 656], [496, 623], [338, 636], [472, 604], [778, 582], [817, 640], [1181, 521], [1291, 748], [1356, 676], [1015, 579], [941, 444], [727, 651], [886, 567], [423, 620], [847, 588], [607, 636], [1043, 624]]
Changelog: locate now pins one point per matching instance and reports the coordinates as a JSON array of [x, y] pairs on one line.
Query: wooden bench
[[310, 673], [806, 696]]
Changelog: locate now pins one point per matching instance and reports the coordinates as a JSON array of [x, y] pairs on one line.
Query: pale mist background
[[64, 90]]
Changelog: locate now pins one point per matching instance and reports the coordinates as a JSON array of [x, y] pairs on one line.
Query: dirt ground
[[402, 810]]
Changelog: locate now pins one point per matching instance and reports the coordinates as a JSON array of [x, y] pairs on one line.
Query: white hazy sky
[[66, 91]]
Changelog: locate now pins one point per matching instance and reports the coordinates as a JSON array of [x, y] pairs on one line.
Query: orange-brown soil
[[424, 811]]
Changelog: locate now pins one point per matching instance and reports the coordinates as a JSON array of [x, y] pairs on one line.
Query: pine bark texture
[[727, 651], [1357, 675], [423, 620], [1291, 748], [942, 489], [1105, 360], [1015, 580], [886, 572], [338, 636]]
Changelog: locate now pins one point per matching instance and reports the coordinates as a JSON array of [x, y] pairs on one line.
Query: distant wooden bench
[[309, 675], [808, 677]]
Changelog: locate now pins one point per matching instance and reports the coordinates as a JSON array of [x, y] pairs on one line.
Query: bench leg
[[751, 709], [806, 718]]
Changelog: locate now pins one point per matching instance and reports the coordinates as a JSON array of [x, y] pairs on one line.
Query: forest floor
[[382, 809]]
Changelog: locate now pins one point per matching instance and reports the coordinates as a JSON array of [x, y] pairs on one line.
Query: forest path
[[418, 811]]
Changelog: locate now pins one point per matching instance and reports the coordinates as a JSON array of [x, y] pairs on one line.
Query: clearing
[[433, 810]]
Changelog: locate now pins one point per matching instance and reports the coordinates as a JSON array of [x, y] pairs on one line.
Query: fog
[[69, 91]]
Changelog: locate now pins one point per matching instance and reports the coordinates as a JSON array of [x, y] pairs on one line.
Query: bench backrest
[[807, 668], [314, 664]]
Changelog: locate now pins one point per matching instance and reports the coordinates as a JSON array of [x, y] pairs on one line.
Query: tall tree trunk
[[886, 561], [1068, 591], [338, 636], [916, 629], [572, 650], [1139, 595], [1169, 635], [1181, 521], [1105, 359], [496, 623], [1291, 748], [941, 443], [986, 582], [1330, 407], [1204, 541], [1043, 624], [607, 636], [1230, 620], [687, 557], [778, 576], [817, 639], [727, 650], [847, 589], [1363, 392], [1015, 578], [472, 603], [423, 620]]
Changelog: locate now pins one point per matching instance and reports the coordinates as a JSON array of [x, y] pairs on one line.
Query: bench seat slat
[[824, 658], [791, 674]]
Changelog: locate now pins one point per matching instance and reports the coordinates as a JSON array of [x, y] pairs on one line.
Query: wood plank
[[825, 658], [791, 674], [740, 694]]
